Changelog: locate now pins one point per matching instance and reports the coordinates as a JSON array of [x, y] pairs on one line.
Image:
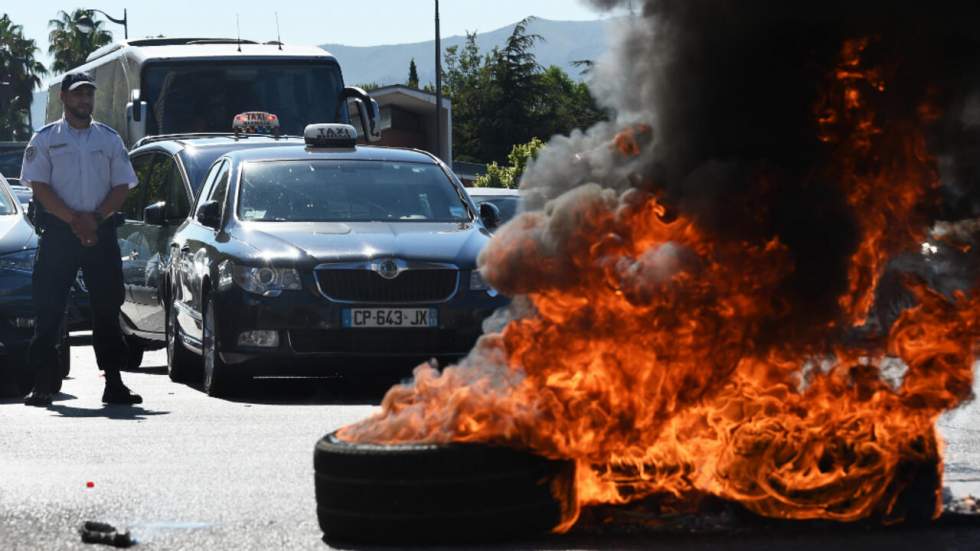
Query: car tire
[[422, 493], [181, 362], [218, 380]]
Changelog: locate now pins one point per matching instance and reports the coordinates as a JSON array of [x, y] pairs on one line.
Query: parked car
[[507, 201], [18, 243], [170, 171], [23, 194], [11, 157], [322, 257]]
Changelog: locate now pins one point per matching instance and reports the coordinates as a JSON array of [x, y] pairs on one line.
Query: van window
[[205, 97]]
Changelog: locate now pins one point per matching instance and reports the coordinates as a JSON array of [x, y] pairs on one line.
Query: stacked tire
[[421, 493]]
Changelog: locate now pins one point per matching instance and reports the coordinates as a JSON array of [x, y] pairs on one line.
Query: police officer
[[80, 173]]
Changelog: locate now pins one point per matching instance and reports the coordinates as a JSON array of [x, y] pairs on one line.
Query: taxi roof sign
[[330, 135], [255, 122]]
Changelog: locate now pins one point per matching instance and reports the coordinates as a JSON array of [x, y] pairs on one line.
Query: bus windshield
[[187, 97]]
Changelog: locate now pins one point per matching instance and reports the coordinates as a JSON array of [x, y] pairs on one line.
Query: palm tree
[[20, 74], [69, 45]]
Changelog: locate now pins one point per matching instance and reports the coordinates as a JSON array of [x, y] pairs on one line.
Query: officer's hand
[[85, 228]]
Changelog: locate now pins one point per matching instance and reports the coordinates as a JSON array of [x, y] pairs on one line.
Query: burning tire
[[434, 493]]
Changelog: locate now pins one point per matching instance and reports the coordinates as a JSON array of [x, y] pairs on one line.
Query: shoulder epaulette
[[47, 127], [105, 127]]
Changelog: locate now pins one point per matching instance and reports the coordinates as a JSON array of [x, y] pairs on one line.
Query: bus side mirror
[[135, 118], [137, 114], [368, 112]]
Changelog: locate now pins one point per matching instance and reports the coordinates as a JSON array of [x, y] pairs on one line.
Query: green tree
[[563, 104], [413, 75], [505, 98], [69, 45], [510, 176], [466, 81], [509, 100], [20, 74]]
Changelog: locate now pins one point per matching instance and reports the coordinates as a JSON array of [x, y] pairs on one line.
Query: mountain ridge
[[563, 42]]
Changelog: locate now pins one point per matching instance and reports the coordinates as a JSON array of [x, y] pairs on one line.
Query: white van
[[163, 86]]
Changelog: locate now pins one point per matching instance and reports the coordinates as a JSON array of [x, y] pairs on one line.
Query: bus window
[[196, 97]]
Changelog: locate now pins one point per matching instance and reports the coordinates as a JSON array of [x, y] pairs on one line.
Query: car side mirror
[[490, 215], [209, 214], [155, 214]]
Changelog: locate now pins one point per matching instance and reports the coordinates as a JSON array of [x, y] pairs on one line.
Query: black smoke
[[731, 90]]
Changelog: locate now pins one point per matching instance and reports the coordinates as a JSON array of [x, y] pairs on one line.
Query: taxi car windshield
[[348, 191]]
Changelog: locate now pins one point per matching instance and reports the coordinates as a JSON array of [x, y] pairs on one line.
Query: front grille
[[381, 342], [368, 286]]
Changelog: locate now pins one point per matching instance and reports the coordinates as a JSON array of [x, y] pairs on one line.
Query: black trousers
[[59, 256]]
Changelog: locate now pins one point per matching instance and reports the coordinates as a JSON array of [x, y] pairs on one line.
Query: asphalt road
[[185, 471]]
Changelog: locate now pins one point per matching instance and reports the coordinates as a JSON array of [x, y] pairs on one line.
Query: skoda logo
[[388, 269]]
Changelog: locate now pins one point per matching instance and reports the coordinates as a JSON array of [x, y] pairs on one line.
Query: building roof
[[411, 99]]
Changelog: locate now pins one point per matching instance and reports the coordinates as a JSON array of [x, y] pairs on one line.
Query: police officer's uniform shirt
[[81, 166]]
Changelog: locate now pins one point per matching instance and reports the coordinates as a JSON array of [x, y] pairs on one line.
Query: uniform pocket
[[64, 164], [99, 162]]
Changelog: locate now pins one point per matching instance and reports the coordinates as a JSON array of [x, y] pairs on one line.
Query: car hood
[[456, 243], [16, 234]]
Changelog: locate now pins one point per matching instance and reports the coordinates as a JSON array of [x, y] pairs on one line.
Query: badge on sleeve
[[30, 152]]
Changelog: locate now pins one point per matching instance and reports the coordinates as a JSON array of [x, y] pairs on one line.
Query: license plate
[[390, 317]]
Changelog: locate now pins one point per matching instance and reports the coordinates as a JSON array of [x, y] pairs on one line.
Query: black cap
[[76, 79]]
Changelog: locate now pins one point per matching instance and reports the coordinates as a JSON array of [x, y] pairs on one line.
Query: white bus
[[162, 86]]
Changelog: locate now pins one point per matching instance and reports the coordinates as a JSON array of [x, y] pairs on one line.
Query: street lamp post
[[439, 89], [86, 25]]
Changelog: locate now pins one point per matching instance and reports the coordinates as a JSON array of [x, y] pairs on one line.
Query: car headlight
[[20, 261], [478, 284], [265, 280]]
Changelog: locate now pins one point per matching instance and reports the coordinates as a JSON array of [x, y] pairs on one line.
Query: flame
[[884, 168], [642, 354]]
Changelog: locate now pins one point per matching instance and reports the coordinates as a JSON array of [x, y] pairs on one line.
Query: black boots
[[38, 398], [119, 394], [116, 392], [43, 392]]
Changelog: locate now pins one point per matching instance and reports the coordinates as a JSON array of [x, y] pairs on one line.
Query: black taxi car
[[171, 170], [325, 257]]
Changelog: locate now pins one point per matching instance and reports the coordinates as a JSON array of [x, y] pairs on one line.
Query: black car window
[[349, 191], [136, 199], [220, 188], [156, 181], [209, 181], [174, 193]]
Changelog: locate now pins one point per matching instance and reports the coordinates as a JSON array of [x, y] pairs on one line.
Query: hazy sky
[[352, 22]]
